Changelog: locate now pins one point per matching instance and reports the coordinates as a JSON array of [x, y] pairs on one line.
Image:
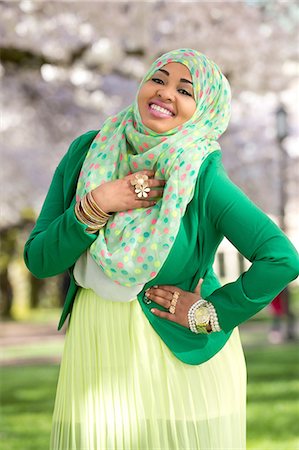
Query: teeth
[[162, 110]]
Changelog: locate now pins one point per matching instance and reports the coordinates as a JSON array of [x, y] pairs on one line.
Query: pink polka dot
[[154, 230], [127, 248], [114, 119], [170, 189], [124, 123], [145, 145], [167, 197], [81, 174], [138, 230], [176, 167], [121, 214], [96, 166], [91, 165], [188, 167], [153, 274], [184, 132], [154, 221], [163, 139], [120, 265], [121, 157], [166, 230], [143, 249], [163, 170], [109, 254], [151, 156], [140, 259], [183, 177], [112, 147], [148, 211], [181, 191], [77, 198], [159, 63], [135, 165], [104, 138], [172, 150], [166, 211], [200, 94], [113, 225], [197, 73], [87, 184], [103, 252]]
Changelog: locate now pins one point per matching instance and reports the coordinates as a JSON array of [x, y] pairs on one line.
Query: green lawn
[[27, 397]]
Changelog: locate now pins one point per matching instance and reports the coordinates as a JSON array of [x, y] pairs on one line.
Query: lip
[[163, 105]]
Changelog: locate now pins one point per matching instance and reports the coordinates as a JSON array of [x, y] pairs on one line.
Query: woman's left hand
[[163, 295]]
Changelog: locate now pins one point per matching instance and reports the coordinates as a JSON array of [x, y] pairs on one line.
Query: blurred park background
[[65, 66]]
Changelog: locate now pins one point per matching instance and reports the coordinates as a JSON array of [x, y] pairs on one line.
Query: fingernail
[[156, 287], [153, 310]]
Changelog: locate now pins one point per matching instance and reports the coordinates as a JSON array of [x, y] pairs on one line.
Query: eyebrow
[[182, 79]]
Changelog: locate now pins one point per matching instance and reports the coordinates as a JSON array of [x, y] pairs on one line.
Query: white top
[[89, 275]]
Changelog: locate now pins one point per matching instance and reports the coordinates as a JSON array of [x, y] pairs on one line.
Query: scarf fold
[[134, 244]]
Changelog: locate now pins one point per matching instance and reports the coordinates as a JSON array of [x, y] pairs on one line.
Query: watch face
[[202, 316]]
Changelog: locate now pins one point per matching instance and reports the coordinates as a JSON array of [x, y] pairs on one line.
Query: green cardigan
[[217, 209]]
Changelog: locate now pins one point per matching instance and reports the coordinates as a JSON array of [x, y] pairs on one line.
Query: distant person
[[136, 212], [280, 309]]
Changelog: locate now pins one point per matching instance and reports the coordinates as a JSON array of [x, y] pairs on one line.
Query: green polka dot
[[146, 234], [124, 272]]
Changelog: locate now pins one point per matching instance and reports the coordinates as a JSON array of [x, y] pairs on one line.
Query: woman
[[136, 212]]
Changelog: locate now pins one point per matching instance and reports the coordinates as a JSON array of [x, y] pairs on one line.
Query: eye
[[158, 80], [184, 92]]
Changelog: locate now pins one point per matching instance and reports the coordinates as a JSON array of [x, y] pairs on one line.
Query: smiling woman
[[167, 100], [136, 211]]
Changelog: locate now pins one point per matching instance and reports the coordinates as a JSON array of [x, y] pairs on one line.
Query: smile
[[159, 111]]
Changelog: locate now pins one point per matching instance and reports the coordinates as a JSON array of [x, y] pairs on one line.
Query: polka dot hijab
[[134, 244]]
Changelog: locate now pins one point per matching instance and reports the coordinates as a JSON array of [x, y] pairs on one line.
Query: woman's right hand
[[119, 195]]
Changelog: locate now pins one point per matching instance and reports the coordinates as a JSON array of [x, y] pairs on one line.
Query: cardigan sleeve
[[58, 238], [274, 260]]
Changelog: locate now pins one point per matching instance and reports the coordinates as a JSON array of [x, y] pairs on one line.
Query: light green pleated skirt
[[120, 388]]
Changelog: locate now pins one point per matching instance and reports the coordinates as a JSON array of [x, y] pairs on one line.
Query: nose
[[165, 93]]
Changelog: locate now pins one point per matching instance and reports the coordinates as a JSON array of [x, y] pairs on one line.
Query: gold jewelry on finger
[[139, 178], [140, 182], [174, 300]]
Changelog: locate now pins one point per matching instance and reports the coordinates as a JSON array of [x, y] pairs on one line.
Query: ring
[[174, 300], [140, 183]]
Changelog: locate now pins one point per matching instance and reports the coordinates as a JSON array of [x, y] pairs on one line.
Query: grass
[[27, 399], [273, 387]]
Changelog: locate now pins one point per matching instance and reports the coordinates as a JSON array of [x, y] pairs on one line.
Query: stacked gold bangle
[[88, 212]]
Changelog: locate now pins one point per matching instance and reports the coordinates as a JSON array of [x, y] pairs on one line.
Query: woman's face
[[166, 100]]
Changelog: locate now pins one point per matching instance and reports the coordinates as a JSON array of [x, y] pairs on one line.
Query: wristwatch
[[202, 319]]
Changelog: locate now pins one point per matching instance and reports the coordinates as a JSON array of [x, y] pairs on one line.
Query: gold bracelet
[[96, 207], [89, 214], [91, 226]]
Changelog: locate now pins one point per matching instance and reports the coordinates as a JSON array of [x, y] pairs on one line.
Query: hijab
[[134, 244]]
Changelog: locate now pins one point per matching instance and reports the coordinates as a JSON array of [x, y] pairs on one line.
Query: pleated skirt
[[120, 387]]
